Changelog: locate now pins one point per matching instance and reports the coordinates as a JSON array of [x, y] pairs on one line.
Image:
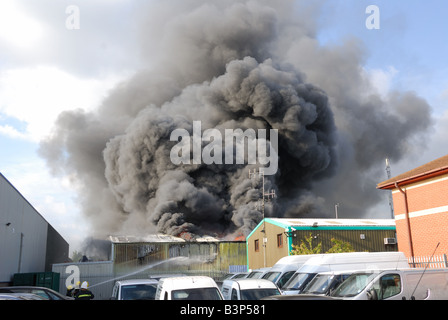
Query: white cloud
[[11, 132], [38, 95], [17, 28]]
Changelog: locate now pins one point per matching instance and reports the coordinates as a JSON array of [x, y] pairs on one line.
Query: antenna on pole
[[426, 266], [264, 194], [391, 205]]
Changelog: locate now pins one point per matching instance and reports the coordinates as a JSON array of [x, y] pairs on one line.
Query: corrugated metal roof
[[158, 238], [147, 238], [288, 222]]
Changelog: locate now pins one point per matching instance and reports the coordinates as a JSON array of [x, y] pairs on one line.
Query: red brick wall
[[427, 228]]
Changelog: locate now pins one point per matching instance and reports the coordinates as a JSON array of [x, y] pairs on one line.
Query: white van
[[188, 288], [340, 262], [284, 268], [248, 289], [135, 289], [257, 273], [395, 284], [325, 283]]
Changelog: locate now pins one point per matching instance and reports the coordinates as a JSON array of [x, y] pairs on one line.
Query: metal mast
[[263, 199], [390, 194]]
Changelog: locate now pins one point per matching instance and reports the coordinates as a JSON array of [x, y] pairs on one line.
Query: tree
[[340, 246], [306, 247]]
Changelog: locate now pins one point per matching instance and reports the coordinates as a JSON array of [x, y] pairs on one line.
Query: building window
[[257, 245], [279, 240]]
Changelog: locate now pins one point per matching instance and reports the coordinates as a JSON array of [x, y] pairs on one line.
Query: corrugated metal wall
[[143, 260], [23, 241], [361, 240], [99, 275], [208, 258]]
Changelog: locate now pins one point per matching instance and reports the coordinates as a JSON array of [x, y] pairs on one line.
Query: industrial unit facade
[[273, 238], [153, 256], [420, 200], [28, 243]]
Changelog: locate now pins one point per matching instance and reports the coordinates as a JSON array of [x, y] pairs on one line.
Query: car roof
[[137, 281], [29, 288], [189, 282], [253, 283], [12, 288], [20, 296]]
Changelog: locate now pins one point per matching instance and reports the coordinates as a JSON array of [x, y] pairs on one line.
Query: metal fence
[[434, 262]]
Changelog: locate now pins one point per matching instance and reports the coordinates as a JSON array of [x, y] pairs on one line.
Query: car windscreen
[[257, 294], [284, 278], [319, 285], [272, 276], [196, 294], [139, 291], [298, 281], [353, 285], [255, 274]]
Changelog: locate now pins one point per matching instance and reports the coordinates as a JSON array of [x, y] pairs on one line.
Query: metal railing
[[437, 261]]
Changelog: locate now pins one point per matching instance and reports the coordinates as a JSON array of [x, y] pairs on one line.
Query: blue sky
[[41, 62], [411, 39]]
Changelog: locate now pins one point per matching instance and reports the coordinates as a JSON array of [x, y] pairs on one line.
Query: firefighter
[[69, 291], [84, 293]]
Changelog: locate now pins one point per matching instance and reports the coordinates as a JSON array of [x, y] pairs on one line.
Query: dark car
[[20, 296], [298, 297], [43, 292]]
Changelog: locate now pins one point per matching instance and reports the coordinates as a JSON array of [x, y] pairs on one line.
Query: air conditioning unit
[[390, 241]]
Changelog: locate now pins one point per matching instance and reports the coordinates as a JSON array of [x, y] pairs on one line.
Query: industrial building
[[28, 243], [153, 256], [273, 238], [420, 205]]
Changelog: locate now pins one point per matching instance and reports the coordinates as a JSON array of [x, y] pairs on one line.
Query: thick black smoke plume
[[229, 65]]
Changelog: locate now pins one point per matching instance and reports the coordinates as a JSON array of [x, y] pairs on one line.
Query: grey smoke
[[245, 64]]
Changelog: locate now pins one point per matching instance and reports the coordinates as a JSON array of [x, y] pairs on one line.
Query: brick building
[[420, 199]]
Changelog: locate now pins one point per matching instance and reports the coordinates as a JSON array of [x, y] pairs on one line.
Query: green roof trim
[[290, 227], [344, 228]]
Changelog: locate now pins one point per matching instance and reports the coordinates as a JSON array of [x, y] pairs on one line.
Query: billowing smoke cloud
[[233, 65]]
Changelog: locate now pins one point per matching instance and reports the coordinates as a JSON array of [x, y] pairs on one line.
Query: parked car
[[235, 275], [342, 262], [20, 296], [135, 289], [395, 284], [258, 273], [285, 268], [44, 292], [188, 288], [298, 297], [248, 289]]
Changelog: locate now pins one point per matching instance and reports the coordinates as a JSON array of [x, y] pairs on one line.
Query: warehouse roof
[[157, 238], [428, 170], [328, 224], [297, 222], [147, 238]]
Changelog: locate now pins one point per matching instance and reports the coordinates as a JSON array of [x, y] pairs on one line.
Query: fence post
[[445, 261]]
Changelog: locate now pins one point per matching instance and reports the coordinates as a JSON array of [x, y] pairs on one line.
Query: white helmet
[[84, 285]]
